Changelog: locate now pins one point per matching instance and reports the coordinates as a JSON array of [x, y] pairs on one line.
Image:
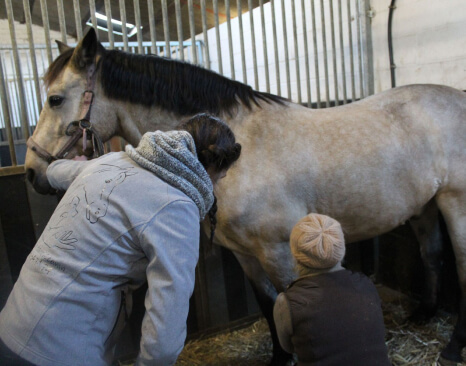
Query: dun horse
[[373, 165]]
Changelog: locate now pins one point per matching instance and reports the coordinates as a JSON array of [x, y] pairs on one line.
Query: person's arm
[[282, 318], [61, 173], [171, 243]]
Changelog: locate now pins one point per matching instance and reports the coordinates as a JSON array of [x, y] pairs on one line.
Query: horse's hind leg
[[266, 293], [426, 227], [452, 204]]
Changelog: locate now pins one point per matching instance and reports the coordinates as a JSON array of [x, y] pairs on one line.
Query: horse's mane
[[173, 85]]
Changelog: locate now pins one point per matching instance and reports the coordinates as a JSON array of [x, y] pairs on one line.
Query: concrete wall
[[429, 42]]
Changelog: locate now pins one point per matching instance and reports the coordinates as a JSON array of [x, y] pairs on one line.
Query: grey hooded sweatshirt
[[117, 225]]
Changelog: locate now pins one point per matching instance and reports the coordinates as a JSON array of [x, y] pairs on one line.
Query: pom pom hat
[[317, 241]]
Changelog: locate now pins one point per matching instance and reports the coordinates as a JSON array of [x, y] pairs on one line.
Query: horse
[[373, 165]]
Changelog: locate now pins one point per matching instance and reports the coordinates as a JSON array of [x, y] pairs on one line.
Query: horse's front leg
[[266, 291], [426, 227]]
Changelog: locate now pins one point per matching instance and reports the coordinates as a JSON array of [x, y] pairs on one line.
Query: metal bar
[[45, 23], [166, 30], [179, 26], [22, 97], [153, 38], [306, 55], [366, 39], [137, 16], [93, 17], [324, 46], [241, 40], [253, 44], [77, 19], [193, 31], [358, 22], [61, 18], [296, 53], [342, 48], [204, 31], [6, 117], [217, 35], [264, 47], [12, 170], [230, 42], [316, 55], [334, 54], [123, 20], [275, 47], [108, 14], [350, 34], [35, 73], [285, 41]]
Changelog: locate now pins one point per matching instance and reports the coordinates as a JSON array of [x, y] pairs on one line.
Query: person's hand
[[80, 158]]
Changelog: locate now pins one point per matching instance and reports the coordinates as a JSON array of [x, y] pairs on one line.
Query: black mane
[[173, 85]]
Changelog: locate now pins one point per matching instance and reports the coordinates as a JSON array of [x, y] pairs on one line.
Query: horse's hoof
[[423, 314], [444, 362], [282, 359]]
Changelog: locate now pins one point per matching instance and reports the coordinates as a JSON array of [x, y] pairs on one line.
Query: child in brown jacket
[[329, 315]]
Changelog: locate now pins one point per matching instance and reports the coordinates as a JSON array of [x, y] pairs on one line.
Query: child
[[329, 315]]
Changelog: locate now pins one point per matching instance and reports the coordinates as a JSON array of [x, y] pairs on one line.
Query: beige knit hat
[[317, 241]]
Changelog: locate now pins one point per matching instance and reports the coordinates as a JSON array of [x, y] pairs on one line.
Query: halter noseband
[[76, 129]]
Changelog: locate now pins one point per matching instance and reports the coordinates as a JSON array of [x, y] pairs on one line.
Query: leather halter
[[76, 129]]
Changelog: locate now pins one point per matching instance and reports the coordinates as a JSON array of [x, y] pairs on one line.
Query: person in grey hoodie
[[126, 217]]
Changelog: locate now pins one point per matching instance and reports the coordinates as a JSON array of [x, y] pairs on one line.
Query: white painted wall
[[429, 42]]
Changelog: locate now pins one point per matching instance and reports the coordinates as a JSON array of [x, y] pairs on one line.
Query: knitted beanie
[[317, 241]]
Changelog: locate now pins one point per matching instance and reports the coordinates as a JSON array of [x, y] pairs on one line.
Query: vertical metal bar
[[230, 42], [342, 48], [350, 34], [61, 18], [6, 116], [296, 56], [123, 28], [316, 55], [93, 17], [264, 47], [253, 44], [241, 40], [334, 54], [306, 55], [45, 23], [108, 14], [217, 35], [324, 46], [166, 30], [275, 46], [77, 19], [361, 81], [285, 41], [206, 38], [22, 97], [137, 16], [153, 38], [366, 35], [193, 31], [179, 28], [35, 73]]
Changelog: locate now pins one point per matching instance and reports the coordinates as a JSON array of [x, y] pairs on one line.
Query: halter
[[76, 129]]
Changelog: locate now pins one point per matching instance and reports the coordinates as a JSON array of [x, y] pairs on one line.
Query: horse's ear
[[62, 47], [87, 50]]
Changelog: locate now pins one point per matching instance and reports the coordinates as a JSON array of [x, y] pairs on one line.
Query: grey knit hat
[[317, 241]]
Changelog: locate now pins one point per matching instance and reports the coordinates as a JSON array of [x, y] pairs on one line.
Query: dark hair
[[216, 148], [215, 142]]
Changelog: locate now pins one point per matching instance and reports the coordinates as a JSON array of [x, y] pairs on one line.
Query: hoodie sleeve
[[61, 173], [171, 243]]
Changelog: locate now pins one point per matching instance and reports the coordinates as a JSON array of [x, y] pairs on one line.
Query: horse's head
[[73, 72]]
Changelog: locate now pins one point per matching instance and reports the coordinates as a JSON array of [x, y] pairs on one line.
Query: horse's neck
[[135, 120]]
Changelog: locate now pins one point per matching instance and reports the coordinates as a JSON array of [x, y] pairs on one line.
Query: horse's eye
[[55, 100]]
